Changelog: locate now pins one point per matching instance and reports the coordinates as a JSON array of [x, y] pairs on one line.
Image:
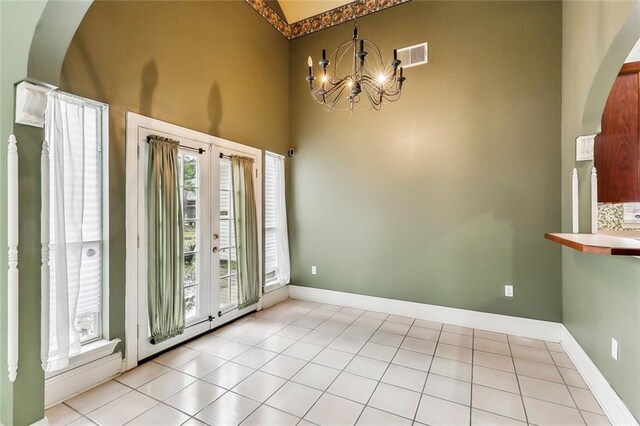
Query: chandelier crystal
[[366, 80]]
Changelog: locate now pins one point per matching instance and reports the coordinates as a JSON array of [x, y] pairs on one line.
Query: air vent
[[413, 55]]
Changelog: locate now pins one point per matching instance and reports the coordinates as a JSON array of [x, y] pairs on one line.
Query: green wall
[[215, 67], [601, 295], [444, 196]]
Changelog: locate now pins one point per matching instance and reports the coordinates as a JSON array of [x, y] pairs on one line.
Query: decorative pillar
[[12, 240]]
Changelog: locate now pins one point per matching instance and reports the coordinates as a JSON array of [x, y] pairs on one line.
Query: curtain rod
[[199, 150]]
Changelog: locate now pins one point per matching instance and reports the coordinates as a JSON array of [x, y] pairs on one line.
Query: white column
[[575, 207], [44, 238], [594, 201], [12, 239]]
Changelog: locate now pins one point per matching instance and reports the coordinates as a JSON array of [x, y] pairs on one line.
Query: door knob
[[215, 249]]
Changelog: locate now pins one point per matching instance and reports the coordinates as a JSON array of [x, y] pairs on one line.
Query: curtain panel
[[64, 124], [165, 285], [246, 230]]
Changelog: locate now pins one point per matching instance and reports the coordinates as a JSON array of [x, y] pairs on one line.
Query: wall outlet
[[614, 349], [314, 270], [508, 290]]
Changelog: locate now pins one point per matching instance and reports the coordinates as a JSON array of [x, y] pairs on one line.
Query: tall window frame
[[92, 326], [274, 266]]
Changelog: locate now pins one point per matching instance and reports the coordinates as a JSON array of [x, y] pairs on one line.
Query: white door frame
[[133, 122]]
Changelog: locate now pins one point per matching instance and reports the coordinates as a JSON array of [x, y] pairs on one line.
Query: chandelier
[[366, 81]]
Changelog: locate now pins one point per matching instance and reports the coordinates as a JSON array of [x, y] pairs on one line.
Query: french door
[[210, 257]]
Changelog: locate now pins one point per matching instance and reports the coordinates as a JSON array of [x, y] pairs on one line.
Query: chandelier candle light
[[369, 78]]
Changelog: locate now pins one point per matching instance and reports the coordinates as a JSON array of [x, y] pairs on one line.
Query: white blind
[[271, 254], [631, 212], [84, 145]]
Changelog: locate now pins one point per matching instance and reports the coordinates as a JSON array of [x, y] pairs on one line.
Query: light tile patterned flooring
[[308, 363]]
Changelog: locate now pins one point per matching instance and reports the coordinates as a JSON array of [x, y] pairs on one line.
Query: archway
[[37, 37]]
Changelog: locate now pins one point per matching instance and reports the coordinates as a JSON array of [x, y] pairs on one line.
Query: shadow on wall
[[149, 83], [99, 94], [214, 109]]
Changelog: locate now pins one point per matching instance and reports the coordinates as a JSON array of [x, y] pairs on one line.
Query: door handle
[[215, 249]]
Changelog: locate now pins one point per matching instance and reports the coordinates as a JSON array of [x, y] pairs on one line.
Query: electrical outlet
[[614, 349], [508, 290], [314, 270]]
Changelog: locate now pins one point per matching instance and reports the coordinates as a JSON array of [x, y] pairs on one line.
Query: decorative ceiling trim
[[323, 20]]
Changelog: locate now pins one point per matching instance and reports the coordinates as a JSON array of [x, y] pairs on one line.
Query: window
[[75, 131], [276, 257]]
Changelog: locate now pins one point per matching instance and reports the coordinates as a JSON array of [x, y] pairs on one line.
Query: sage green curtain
[[165, 268], [246, 230]]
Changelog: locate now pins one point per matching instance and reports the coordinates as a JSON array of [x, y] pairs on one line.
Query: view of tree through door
[[189, 188]]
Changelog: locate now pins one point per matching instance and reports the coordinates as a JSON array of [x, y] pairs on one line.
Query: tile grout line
[[515, 372], [473, 354], [307, 362], [343, 370], [424, 386], [385, 370], [555, 364]]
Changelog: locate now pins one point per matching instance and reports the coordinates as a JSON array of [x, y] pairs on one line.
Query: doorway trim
[[132, 122]]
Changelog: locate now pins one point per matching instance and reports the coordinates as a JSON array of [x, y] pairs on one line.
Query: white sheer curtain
[[282, 233], [72, 260]]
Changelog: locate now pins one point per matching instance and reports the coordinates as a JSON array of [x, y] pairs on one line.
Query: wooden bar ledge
[[597, 243]]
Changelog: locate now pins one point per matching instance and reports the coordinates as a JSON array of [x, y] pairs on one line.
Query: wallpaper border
[[323, 20]]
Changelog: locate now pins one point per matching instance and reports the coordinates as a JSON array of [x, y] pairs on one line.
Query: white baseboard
[[73, 382], [536, 329], [614, 408], [276, 296]]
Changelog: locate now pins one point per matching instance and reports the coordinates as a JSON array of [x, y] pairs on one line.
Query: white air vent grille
[[413, 55]]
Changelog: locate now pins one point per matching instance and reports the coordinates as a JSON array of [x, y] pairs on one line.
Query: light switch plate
[[314, 271], [614, 349], [584, 147]]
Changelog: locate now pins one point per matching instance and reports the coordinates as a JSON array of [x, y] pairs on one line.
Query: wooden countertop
[[598, 243]]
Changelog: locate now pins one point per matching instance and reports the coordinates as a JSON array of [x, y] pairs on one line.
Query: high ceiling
[[297, 10]]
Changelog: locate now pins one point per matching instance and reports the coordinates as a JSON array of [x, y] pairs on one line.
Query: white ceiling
[[634, 55], [297, 10]]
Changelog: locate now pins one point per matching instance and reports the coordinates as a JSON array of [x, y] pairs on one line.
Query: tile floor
[[308, 363]]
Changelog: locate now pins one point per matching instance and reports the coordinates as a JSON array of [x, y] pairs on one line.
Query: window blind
[[271, 254]]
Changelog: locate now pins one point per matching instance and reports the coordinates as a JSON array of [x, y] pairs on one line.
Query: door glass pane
[[190, 236], [189, 203], [190, 297], [190, 269], [233, 289], [190, 171], [224, 233], [224, 292]]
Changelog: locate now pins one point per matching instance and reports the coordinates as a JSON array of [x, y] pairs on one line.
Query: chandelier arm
[[371, 99], [337, 97], [375, 50]]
